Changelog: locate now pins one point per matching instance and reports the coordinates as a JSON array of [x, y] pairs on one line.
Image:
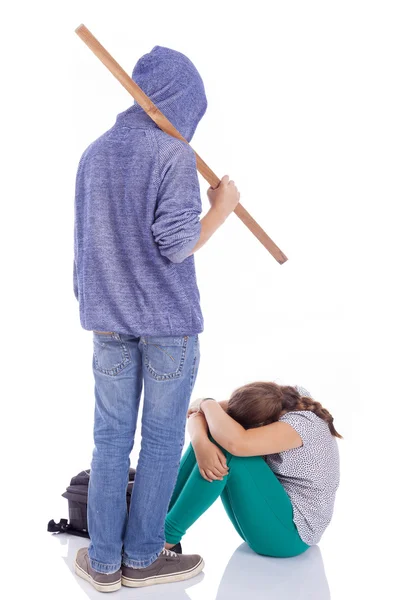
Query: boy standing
[[137, 226]]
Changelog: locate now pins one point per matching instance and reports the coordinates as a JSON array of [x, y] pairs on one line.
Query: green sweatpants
[[254, 499]]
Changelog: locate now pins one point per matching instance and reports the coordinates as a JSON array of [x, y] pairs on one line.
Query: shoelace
[[168, 552]]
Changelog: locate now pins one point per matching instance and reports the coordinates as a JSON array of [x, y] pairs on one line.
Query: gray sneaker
[[168, 568], [102, 582]]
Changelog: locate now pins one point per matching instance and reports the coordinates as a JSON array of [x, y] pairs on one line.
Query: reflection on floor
[[261, 577], [245, 576]]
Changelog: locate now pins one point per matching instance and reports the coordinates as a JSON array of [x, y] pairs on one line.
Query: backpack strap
[[64, 527]]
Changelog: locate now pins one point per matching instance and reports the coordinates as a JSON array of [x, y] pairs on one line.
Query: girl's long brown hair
[[262, 403]]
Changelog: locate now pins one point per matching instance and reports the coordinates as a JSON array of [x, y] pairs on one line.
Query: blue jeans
[[167, 366]]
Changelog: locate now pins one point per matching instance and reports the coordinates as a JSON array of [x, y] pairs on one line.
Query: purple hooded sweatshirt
[[137, 211]]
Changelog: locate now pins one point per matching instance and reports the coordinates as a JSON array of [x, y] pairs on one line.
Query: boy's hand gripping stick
[[154, 113]]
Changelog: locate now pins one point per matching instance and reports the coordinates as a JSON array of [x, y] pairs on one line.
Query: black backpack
[[77, 495]]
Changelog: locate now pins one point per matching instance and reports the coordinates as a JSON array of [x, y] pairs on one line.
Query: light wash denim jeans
[[167, 366]]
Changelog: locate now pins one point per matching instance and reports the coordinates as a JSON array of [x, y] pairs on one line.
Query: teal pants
[[254, 499]]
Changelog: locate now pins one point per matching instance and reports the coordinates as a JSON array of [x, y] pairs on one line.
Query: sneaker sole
[[100, 587], [174, 577]]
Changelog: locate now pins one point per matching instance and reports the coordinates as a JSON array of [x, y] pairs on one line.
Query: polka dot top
[[309, 474]]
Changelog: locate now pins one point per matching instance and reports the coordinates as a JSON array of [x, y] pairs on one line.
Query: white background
[[304, 115]]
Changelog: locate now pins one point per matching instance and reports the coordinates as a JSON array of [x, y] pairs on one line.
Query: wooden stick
[[163, 123]]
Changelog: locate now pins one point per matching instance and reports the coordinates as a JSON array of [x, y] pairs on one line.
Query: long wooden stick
[[163, 123]]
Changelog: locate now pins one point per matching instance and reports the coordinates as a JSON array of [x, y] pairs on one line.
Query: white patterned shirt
[[309, 474]]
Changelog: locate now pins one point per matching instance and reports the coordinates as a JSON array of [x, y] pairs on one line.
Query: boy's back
[[137, 227], [137, 211]]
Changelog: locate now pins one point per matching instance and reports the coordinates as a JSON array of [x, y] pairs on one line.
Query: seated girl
[[270, 453]]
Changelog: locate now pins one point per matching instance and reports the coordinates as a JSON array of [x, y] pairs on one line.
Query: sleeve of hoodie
[[176, 227], [75, 281], [78, 191]]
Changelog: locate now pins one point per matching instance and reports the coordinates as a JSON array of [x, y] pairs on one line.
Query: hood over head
[[173, 83]]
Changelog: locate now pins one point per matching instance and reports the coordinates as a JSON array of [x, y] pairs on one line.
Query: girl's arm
[[198, 429], [194, 407], [210, 458], [239, 441]]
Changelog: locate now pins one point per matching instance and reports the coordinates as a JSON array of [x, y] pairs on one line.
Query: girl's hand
[[195, 407], [211, 461]]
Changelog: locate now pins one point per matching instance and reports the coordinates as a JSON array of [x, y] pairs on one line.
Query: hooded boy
[[137, 227]]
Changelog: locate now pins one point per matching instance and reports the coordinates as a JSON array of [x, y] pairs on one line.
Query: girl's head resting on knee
[[261, 403]]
